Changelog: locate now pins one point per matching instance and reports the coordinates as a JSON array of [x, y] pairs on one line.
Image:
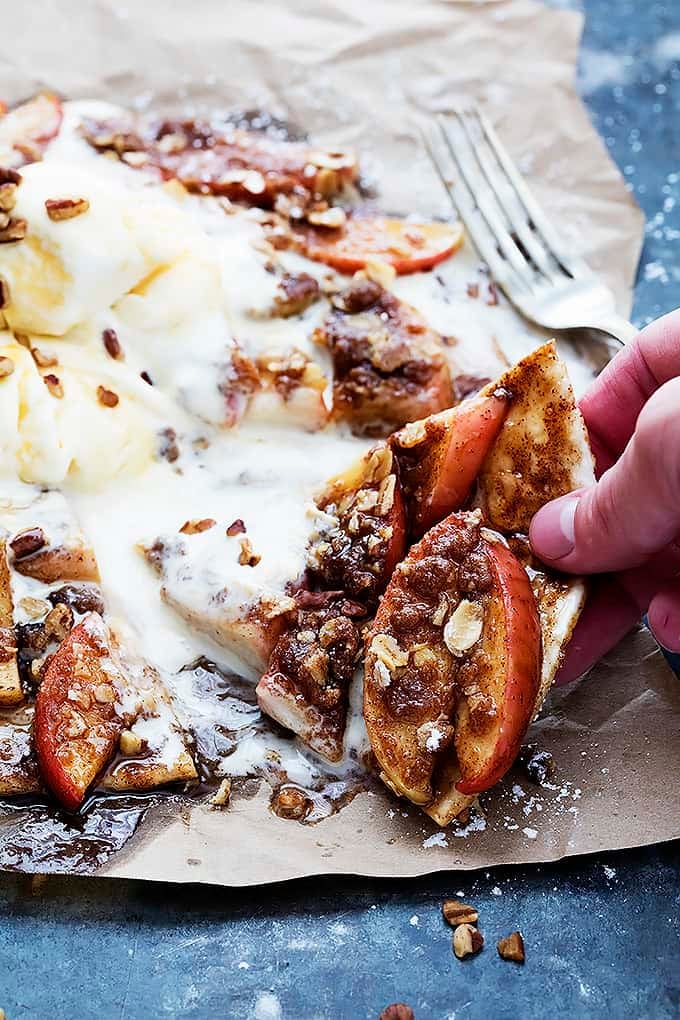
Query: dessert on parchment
[[250, 420]]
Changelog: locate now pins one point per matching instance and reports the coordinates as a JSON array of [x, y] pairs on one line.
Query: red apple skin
[[439, 470], [515, 679], [69, 764]]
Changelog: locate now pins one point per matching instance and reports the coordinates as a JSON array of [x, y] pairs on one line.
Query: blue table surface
[[602, 933]]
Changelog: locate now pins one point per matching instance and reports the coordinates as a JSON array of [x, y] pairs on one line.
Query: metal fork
[[545, 281]]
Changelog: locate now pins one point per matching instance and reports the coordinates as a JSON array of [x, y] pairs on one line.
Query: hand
[[628, 524]]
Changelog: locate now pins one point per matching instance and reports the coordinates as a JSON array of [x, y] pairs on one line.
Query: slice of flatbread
[[542, 450]]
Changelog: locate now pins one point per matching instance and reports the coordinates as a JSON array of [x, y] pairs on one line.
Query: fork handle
[[617, 327]]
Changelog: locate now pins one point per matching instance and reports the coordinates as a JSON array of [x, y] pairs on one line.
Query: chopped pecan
[[397, 1011], [467, 940], [248, 557], [512, 947], [66, 208], [196, 526], [43, 360], [236, 527], [168, 447], [4, 293], [59, 622], [54, 385], [27, 542], [107, 397], [112, 343], [222, 796], [291, 802], [14, 231], [6, 367], [455, 912], [8, 196], [296, 292]]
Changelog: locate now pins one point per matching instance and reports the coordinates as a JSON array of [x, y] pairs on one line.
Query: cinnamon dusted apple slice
[[542, 450], [440, 457], [28, 128], [389, 366], [306, 684], [360, 533], [453, 663], [215, 157], [10, 685], [82, 706]]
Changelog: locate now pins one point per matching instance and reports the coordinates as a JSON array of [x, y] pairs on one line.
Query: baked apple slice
[[408, 247], [453, 663], [440, 457], [215, 157], [28, 128], [307, 682], [82, 706], [542, 449], [360, 532], [389, 366]]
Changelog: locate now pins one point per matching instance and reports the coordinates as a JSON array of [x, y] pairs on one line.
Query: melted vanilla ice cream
[[180, 280]]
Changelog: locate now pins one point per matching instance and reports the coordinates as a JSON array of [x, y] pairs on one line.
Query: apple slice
[[220, 159], [454, 659], [80, 712], [542, 450], [26, 130], [408, 247], [360, 532], [440, 457], [307, 682], [389, 367]]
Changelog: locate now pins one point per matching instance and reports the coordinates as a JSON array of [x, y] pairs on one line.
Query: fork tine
[[542, 225], [502, 189], [488, 209], [464, 207]]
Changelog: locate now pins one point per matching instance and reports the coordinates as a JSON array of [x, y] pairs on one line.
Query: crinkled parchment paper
[[349, 71]]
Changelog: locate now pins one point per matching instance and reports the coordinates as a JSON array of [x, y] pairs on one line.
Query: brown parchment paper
[[350, 72]]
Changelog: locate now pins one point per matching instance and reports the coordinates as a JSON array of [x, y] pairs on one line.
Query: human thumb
[[634, 509]]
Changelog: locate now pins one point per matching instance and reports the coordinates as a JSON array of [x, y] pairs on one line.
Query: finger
[[634, 509], [664, 617], [612, 404], [609, 614]]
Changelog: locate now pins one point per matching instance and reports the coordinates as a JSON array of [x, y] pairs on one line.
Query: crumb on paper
[[530, 833], [413, 921], [436, 839]]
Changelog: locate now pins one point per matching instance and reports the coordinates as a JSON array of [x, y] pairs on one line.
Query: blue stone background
[[602, 933]]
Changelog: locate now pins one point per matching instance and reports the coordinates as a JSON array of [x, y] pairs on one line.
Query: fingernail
[[552, 529]]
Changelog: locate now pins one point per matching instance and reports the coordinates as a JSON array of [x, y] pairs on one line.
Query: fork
[[546, 282]]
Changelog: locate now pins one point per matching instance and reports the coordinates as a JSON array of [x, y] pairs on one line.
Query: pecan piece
[[65, 208], [455, 912], [236, 527], [512, 947], [397, 1011], [467, 940], [290, 802], [195, 527], [14, 231], [53, 384], [6, 367], [107, 397], [27, 542], [112, 343]]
